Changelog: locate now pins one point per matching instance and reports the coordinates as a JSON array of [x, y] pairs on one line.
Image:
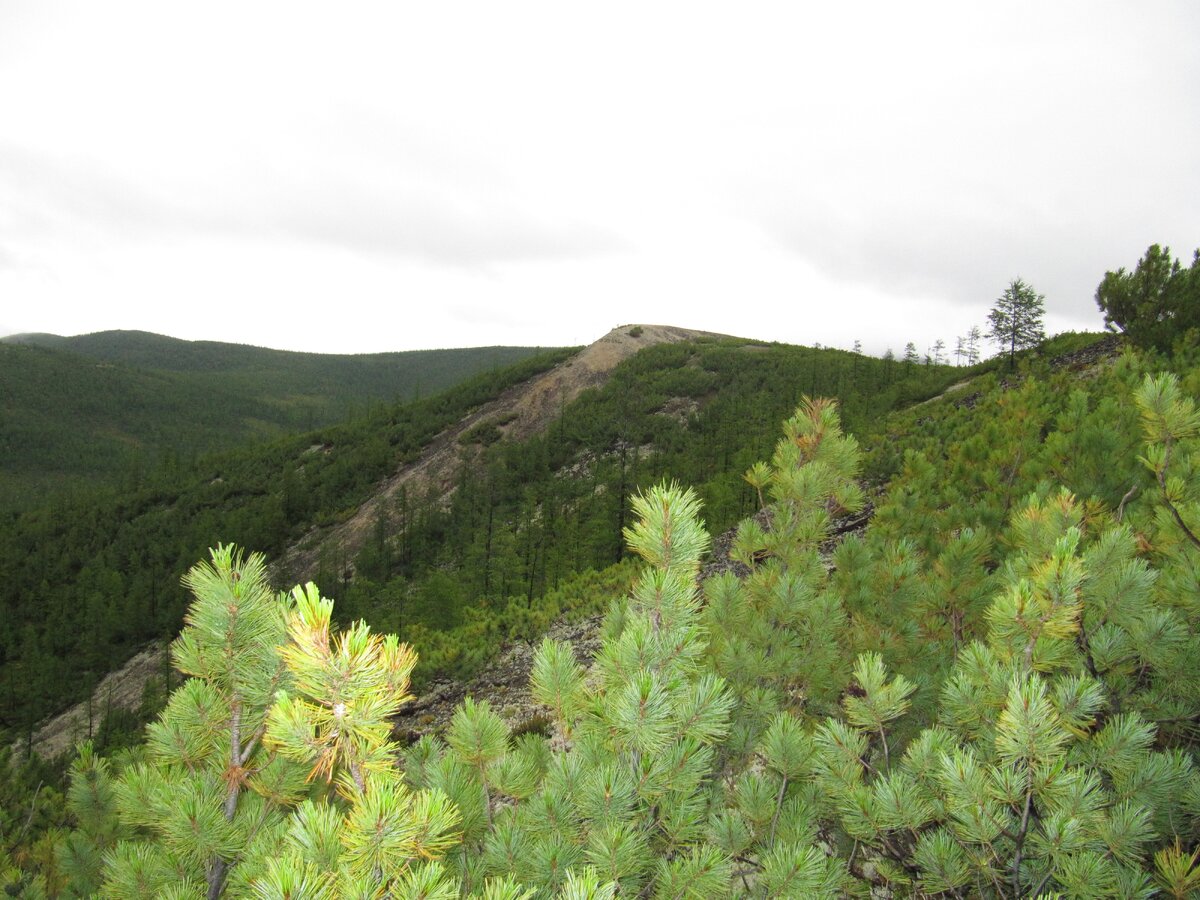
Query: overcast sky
[[358, 177]]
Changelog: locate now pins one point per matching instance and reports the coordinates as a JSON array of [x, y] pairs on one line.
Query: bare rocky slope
[[520, 412], [121, 689]]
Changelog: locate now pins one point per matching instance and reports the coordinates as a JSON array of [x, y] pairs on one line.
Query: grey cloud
[[49, 193], [416, 223], [447, 227], [968, 257]]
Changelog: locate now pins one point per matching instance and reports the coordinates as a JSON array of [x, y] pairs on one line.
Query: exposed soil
[[503, 683], [1091, 358]]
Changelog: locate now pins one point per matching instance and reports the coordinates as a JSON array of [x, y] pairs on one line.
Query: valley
[[98, 412]]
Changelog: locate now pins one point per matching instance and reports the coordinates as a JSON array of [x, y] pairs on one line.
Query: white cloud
[[385, 176]]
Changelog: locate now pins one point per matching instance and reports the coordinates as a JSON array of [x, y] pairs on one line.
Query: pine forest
[[867, 627]]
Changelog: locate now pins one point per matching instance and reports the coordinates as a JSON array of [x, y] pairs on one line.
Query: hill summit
[[523, 410]]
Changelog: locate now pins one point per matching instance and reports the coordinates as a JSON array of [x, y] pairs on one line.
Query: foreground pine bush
[[270, 773], [994, 715]]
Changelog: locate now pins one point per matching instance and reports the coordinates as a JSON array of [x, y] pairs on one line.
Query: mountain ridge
[[134, 341], [522, 410], [503, 678], [531, 405]]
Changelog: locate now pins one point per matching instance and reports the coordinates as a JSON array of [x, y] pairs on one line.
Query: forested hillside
[[101, 410], [90, 578], [992, 690], [319, 384], [90, 582]]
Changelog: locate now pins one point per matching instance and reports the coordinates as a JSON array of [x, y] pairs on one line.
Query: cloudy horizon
[[400, 176]]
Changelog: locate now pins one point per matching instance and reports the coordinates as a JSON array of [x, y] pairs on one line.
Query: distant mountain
[[316, 380], [98, 408]]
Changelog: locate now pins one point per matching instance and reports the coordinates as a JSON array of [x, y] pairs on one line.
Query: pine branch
[[991, 872], [1162, 483], [29, 820], [778, 808], [263, 818], [1129, 495], [233, 775], [1020, 842], [1041, 884], [1085, 647], [251, 745], [219, 868], [216, 879]]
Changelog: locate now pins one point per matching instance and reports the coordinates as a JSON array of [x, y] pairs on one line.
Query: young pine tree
[[623, 790], [270, 773], [1043, 773]]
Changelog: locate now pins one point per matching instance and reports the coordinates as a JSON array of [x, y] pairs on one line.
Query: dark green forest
[[991, 691], [95, 576], [94, 579], [322, 385], [101, 410], [954, 650]]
